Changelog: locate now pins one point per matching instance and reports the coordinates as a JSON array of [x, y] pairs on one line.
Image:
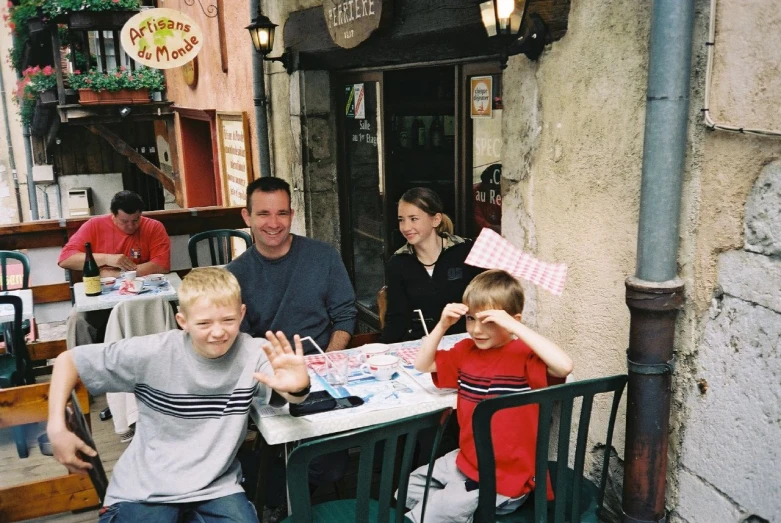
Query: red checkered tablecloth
[[491, 251]]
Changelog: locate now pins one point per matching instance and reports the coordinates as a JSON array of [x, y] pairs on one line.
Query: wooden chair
[[576, 498], [380, 441], [220, 245], [29, 404]]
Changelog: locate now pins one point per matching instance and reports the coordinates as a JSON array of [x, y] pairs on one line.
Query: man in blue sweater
[[291, 283], [296, 285]]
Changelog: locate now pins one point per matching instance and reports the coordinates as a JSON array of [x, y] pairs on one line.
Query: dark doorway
[[199, 162]]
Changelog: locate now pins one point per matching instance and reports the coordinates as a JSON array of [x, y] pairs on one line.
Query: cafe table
[[407, 394], [7, 310], [107, 300]]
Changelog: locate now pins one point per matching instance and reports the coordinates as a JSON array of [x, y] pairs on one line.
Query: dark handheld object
[[77, 424], [322, 401]]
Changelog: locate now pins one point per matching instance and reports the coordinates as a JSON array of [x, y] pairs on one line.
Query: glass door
[[362, 187], [481, 105]]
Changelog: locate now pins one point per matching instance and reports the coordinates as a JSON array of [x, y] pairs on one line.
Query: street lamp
[[503, 19], [261, 31]]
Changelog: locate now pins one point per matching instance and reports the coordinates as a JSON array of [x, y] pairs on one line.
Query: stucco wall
[[572, 155]]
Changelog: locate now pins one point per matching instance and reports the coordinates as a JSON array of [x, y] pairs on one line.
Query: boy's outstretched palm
[[290, 374]]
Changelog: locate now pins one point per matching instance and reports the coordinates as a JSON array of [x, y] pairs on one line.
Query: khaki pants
[[449, 501]]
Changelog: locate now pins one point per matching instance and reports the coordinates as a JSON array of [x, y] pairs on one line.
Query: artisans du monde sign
[[161, 38], [350, 22]]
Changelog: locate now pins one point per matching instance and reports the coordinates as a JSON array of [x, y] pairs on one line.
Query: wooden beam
[[55, 233], [51, 293], [30, 404], [134, 156], [50, 496], [46, 350]]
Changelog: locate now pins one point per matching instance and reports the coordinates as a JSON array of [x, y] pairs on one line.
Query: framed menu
[[235, 157]]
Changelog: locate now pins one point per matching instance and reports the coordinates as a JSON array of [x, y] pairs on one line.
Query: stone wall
[[729, 461]]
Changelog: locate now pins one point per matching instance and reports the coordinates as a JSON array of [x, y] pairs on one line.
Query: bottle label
[[91, 285]]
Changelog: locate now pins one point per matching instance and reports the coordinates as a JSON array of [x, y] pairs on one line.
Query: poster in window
[[487, 173], [233, 141], [481, 94]]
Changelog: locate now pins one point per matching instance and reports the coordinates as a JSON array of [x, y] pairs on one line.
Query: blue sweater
[[305, 292]]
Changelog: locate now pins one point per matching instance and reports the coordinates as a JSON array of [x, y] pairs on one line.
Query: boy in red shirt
[[502, 356]]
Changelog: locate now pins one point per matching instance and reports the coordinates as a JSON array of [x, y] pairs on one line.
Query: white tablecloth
[[277, 426], [7, 310], [86, 303]]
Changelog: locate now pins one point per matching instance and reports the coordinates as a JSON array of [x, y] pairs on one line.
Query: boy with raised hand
[[194, 388], [502, 356]]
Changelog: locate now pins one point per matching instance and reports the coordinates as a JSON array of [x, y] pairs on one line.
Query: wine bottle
[[435, 133], [90, 273], [418, 133]]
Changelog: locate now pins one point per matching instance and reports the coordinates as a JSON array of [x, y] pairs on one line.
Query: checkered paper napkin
[[491, 251]]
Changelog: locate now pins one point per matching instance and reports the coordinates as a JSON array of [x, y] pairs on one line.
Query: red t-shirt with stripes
[[482, 374]]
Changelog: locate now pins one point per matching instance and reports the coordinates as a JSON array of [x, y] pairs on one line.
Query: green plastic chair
[[25, 261], [363, 509], [587, 504], [15, 364], [14, 255], [219, 245]]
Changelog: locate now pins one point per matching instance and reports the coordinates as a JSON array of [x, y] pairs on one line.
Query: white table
[[86, 303], [7, 311], [285, 428]]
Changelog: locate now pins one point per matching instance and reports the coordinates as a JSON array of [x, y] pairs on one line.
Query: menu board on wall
[[235, 157]]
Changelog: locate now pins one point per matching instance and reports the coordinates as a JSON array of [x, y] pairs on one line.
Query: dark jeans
[[233, 508]]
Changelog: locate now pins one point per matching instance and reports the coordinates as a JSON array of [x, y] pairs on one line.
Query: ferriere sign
[[161, 38], [350, 22]]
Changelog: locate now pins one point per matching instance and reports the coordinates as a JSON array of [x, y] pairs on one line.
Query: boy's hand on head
[[290, 374], [452, 313], [65, 445], [498, 317]]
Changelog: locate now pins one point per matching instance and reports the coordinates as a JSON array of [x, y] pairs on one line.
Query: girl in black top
[[428, 272]]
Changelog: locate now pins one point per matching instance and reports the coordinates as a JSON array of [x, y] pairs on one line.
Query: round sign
[[350, 22], [161, 38]]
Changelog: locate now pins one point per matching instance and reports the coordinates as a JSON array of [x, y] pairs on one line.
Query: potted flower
[[120, 86], [36, 82]]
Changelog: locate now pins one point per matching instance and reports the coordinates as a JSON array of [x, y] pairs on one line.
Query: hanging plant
[[34, 81]]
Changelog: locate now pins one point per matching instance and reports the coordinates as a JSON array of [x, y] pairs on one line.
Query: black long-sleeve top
[[410, 287]]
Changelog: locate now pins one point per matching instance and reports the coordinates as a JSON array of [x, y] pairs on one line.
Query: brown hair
[[430, 203], [494, 289]]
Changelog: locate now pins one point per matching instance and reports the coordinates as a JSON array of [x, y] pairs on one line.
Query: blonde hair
[[430, 203], [494, 289], [217, 285]]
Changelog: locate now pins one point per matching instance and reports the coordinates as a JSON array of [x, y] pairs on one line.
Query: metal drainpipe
[[11, 159], [261, 102], [655, 294]]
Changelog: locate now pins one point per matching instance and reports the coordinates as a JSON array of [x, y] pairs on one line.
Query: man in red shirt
[[121, 241]]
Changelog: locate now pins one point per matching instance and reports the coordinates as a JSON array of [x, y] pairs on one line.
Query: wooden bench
[[30, 404]]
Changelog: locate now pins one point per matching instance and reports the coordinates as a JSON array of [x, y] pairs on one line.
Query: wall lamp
[[503, 19], [262, 32]]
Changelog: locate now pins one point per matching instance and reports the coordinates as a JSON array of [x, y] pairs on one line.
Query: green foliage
[[122, 78], [53, 8], [34, 81]]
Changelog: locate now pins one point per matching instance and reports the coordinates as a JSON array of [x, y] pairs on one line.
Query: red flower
[[12, 26], [76, 72], [48, 70]]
